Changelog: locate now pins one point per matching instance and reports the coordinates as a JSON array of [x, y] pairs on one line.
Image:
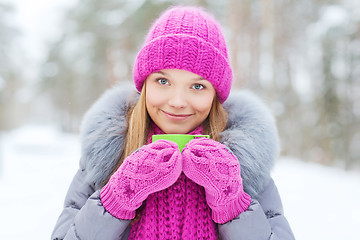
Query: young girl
[[129, 187]]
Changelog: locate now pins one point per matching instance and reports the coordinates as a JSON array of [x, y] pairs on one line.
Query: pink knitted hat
[[186, 38]]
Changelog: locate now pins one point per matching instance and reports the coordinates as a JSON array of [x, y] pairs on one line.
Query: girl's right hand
[[149, 169]]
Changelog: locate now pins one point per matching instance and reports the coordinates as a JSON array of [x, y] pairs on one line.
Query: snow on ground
[[37, 164], [319, 202], [36, 167]]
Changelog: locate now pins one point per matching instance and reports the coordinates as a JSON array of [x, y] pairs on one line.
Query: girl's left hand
[[213, 166]]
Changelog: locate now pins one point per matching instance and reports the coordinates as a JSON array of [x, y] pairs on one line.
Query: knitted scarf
[[178, 212]]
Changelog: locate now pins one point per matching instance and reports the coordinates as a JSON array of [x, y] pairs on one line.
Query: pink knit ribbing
[[186, 38]]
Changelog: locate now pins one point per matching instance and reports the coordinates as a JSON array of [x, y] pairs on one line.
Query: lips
[[178, 117]]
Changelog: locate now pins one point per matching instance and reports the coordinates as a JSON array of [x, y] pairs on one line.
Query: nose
[[177, 99]]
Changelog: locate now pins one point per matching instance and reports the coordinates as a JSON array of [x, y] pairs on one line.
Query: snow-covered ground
[[37, 164]]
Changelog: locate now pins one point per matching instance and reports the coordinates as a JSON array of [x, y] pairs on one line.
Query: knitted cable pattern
[[151, 168], [213, 166]]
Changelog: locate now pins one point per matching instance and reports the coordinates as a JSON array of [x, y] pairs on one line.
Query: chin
[[175, 130]]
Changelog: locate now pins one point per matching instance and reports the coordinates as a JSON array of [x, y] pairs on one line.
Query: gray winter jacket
[[251, 134]]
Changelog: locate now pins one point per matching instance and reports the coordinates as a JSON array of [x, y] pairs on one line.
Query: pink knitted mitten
[[150, 169], [212, 165]]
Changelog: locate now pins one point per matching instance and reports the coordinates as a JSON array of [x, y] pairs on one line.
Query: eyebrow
[[161, 72], [195, 79]]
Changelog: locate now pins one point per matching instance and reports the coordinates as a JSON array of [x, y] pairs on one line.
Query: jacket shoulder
[[103, 130], [252, 135]]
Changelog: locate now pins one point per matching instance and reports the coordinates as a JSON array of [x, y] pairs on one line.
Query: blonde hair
[[138, 126], [216, 122]]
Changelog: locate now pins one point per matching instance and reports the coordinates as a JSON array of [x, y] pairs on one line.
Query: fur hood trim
[[251, 134]]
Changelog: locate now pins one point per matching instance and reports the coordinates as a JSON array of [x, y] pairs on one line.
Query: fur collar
[[251, 134]]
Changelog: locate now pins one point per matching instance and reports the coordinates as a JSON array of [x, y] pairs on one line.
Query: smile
[[176, 117]]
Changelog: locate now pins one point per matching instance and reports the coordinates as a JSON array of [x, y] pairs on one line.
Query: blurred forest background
[[301, 57]]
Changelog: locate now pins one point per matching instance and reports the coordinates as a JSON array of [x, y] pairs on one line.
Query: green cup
[[180, 139]]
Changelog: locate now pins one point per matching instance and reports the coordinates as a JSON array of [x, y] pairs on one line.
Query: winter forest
[[299, 56]]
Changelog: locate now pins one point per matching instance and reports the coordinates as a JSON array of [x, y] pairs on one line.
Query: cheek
[[203, 105], [153, 98], [153, 104]]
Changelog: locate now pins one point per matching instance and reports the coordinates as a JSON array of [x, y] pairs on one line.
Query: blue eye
[[162, 81], [197, 86]]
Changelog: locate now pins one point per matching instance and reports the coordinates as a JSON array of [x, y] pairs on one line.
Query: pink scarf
[[178, 212]]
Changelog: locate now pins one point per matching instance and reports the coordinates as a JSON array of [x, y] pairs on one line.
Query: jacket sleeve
[[263, 220], [84, 217]]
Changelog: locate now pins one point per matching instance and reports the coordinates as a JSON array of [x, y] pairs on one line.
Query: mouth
[[177, 117]]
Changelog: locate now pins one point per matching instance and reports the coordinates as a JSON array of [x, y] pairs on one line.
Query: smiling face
[[178, 100]]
